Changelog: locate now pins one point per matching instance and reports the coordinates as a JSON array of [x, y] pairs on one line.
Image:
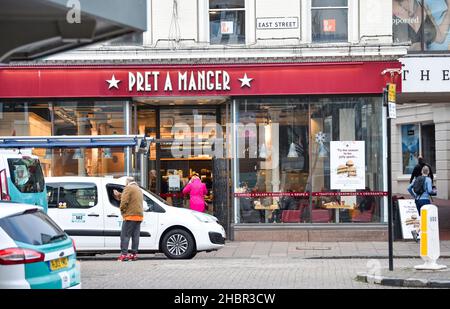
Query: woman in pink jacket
[[197, 191]]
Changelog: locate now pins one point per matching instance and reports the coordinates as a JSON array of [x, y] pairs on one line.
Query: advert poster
[[174, 182], [409, 217], [347, 165]]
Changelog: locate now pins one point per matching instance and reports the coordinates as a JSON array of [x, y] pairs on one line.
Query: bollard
[[429, 238]]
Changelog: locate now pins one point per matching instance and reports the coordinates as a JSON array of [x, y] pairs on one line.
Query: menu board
[[347, 165], [174, 182], [409, 217]]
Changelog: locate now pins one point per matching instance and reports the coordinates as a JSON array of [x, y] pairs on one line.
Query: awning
[[223, 80], [34, 28]]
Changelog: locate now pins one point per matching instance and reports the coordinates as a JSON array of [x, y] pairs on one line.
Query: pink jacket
[[197, 190]]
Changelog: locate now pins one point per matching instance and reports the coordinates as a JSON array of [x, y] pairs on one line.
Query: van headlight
[[204, 217]]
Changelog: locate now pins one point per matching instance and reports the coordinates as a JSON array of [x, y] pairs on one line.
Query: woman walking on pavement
[[197, 191], [422, 195], [421, 189]]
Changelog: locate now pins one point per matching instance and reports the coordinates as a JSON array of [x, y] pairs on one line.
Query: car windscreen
[[33, 228], [26, 175]]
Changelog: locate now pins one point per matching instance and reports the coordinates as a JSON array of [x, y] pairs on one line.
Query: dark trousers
[[420, 203], [130, 229]]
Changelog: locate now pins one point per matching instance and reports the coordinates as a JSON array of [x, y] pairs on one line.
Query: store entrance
[[190, 137]]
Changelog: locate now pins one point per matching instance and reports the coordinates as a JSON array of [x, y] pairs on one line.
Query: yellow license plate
[[59, 263]]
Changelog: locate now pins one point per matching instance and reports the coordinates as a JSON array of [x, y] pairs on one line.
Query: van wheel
[[178, 244]]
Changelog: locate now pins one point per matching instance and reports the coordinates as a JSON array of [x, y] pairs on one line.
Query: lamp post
[[389, 100]]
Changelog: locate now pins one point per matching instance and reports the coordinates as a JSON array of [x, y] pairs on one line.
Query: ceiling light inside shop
[[292, 152]]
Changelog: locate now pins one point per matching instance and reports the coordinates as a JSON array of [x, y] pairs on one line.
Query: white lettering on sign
[[187, 81], [267, 23]]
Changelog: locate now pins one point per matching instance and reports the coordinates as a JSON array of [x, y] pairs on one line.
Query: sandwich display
[[351, 171], [348, 168], [342, 169]]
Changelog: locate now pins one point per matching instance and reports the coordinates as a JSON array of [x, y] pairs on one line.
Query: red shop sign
[[193, 80]]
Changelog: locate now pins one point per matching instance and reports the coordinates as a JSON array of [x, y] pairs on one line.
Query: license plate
[[59, 263]]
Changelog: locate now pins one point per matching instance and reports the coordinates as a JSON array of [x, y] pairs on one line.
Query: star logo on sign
[[113, 82], [245, 81]]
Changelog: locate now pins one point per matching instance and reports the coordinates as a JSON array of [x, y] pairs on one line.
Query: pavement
[[273, 265]]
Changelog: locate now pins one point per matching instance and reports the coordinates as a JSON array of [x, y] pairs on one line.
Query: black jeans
[[130, 229], [420, 203]]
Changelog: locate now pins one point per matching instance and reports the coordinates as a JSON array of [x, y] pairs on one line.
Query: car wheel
[[178, 244]]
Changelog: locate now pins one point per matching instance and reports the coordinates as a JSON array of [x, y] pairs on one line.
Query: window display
[[297, 184]]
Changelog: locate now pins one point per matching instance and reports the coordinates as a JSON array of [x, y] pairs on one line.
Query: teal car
[[34, 251]]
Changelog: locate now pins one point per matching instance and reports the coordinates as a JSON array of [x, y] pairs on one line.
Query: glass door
[[187, 136]]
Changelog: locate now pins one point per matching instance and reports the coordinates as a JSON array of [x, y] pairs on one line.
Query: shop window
[[329, 20], [423, 23], [227, 22], [289, 156], [417, 140]]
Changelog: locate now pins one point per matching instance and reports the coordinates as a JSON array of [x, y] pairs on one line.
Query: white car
[[86, 209], [34, 252]]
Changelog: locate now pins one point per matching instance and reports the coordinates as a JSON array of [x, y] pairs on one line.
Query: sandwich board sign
[[347, 165], [409, 217]]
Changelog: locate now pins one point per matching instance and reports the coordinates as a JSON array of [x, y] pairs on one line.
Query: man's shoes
[[415, 235], [132, 257], [123, 258]]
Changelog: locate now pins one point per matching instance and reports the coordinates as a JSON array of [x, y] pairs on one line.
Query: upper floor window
[[423, 23], [329, 20], [227, 21]]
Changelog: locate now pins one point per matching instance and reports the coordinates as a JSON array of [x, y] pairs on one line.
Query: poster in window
[[174, 183], [329, 25], [226, 27], [409, 217], [407, 22], [437, 24], [347, 165], [410, 147]]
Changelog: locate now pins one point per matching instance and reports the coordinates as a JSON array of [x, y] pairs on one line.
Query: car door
[[76, 207], [113, 221]]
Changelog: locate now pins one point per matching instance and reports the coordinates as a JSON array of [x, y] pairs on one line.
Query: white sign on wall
[[347, 165], [409, 217], [426, 74], [267, 23]]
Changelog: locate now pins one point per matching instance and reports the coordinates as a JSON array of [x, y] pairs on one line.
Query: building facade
[[278, 108], [422, 126]]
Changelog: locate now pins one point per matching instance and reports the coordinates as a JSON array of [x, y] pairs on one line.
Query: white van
[[86, 209]]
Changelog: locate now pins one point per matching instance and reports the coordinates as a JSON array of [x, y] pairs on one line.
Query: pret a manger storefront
[[292, 151]]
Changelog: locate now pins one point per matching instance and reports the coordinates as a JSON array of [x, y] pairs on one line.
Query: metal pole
[[128, 158], [389, 184]]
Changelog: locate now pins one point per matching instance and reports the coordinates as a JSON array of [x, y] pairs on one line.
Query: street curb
[[348, 257], [409, 282]]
